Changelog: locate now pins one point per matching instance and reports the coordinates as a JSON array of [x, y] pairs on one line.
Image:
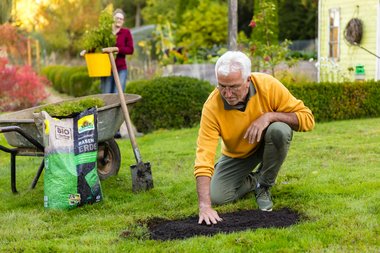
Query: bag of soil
[[70, 178]]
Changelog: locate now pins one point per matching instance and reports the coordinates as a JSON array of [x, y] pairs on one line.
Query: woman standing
[[124, 42]]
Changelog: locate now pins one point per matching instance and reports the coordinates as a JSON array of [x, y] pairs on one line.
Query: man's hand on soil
[[208, 215]]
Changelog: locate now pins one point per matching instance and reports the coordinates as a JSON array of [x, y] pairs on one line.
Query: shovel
[[141, 172]]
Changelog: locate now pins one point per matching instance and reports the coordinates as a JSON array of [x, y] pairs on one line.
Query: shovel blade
[[141, 177]]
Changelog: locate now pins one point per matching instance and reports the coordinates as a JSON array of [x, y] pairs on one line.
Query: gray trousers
[[235, 177]]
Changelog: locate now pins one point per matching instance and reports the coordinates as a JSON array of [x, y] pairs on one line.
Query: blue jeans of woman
[[107, 84]]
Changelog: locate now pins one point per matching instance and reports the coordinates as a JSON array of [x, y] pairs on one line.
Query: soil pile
[[232, 222]]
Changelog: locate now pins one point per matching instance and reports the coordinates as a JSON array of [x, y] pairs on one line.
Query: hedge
[[175, 102], [81, 85], [73, 81], [168, 102], [340, 101]]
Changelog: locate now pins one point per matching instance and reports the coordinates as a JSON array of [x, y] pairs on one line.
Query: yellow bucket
[[98, 64]]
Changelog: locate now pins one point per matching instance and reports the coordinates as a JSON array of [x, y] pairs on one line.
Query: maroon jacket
[[124, 42]]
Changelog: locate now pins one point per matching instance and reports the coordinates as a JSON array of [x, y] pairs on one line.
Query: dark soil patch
[[232, 222]]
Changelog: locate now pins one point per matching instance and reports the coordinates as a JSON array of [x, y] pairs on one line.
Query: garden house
[[348, 40]]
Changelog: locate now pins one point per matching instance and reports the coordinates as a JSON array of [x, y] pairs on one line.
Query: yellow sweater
[[231, 125]]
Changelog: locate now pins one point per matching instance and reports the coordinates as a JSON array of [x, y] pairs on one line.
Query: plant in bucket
[[93, 41]]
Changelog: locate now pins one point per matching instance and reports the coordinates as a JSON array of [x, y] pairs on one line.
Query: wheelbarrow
[[22, 133]]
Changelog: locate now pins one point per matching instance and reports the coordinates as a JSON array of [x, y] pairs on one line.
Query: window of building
[[334, 22]]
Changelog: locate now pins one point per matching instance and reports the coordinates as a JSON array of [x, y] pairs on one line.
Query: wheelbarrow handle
[[110, 50]]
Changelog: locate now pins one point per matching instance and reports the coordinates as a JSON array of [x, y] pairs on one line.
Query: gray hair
[[232, 61], [118, 10]]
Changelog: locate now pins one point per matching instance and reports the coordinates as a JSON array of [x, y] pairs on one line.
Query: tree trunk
[[232, 24], [5, 10], [138, 15]]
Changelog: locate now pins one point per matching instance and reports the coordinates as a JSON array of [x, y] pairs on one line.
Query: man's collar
[[241, 105]]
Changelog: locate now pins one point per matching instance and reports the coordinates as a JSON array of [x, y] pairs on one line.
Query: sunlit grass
[[331, 176]]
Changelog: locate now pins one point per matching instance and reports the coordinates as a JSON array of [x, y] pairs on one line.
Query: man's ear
[[248, 81]]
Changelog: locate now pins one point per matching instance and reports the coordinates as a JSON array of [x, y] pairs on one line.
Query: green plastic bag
[[71, 178]]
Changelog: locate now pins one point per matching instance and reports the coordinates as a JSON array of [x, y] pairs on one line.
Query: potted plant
[[98, 64]]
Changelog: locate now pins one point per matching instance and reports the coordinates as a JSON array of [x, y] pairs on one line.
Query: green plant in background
[[263, 45], [298, 77], [203, 28], [161, 46], [168, 102], [330, 71], [164, 42], [101, 36]]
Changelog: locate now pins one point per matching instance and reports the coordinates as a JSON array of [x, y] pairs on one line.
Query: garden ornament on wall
[[353, 34]]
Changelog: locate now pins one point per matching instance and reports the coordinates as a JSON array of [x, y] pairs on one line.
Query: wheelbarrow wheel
[[108, 159]]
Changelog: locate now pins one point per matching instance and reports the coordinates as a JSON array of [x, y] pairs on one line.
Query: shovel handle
[[104, 50], [109, 50], [124, 107]]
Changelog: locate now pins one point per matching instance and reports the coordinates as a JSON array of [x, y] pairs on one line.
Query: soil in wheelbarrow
[[232, 222]]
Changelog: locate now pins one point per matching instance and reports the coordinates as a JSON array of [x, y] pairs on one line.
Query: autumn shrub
[[14, 40], [20, 87]]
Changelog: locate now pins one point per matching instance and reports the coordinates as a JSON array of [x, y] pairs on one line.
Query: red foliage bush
[[20, 87]]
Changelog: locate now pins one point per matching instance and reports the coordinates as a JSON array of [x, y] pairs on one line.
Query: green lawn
[[331, 176]]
